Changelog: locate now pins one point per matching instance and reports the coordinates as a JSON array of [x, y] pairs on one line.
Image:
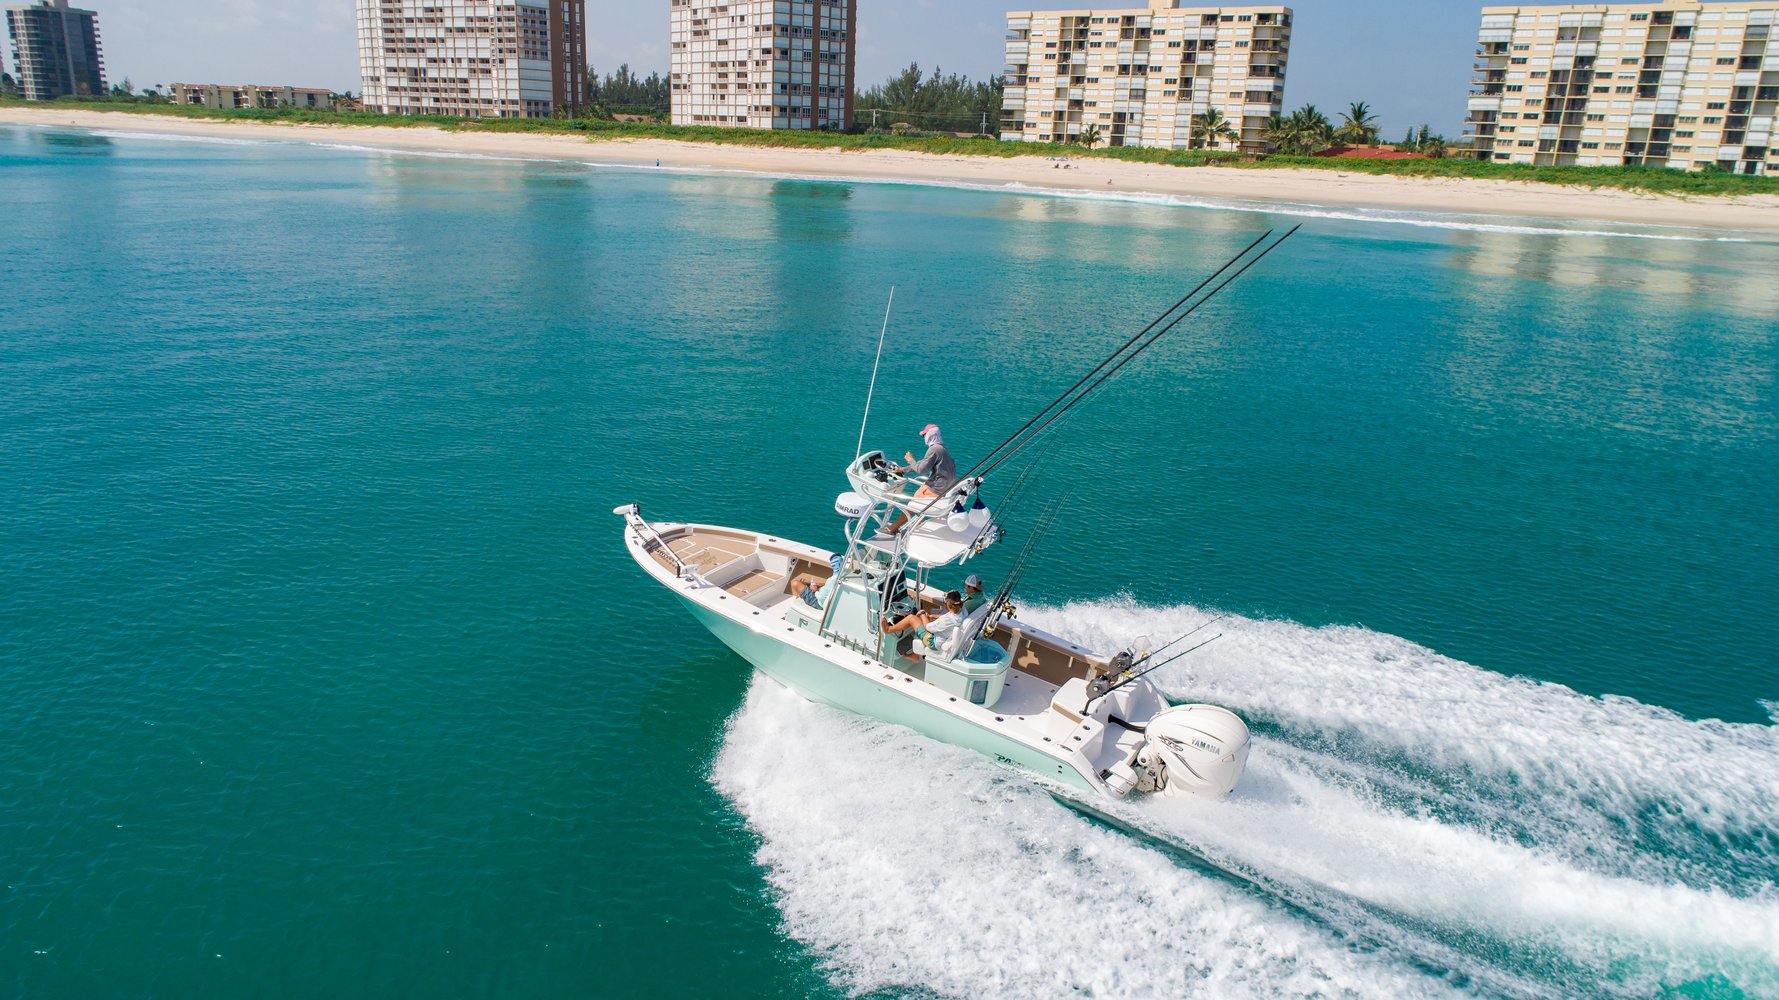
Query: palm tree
[[1281, 136], [1210, 128], [1089, 137], [1313, 129], [1358, 125], [1302, 132]]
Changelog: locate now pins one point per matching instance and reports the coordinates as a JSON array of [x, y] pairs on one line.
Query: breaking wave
[[208, 140], [1427, 220], [1409, 824]]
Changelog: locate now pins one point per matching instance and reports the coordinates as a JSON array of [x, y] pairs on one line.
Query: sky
[[1410, 59]]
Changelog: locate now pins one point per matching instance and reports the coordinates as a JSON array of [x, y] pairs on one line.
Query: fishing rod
[[1158, 666], [1121, 349], [1004, 595], [1015, 498], [1146, 657], [1140, 349]]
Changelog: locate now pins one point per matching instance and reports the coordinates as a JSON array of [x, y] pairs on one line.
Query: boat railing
[[633, 514]]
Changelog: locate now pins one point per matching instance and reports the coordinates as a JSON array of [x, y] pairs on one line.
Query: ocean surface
[[325, 672]]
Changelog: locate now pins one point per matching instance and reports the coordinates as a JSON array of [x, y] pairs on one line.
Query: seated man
[[928, 631], [812, 588], [937, 465], [973, 596]]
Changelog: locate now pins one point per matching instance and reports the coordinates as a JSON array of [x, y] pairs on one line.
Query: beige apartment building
[[1141, 75], [472, 58], [1677, 84], [221, 95], [779, 64]]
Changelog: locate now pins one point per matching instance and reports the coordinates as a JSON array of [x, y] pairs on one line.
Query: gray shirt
[[937, 466]]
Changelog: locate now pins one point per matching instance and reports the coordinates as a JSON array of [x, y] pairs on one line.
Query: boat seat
[[1068, 724], [1070, 700], [753, 582]]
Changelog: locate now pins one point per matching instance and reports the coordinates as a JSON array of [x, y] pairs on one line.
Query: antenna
[[871, 391]]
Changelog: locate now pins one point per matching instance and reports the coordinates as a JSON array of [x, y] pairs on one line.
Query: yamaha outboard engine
[[1197, 749]]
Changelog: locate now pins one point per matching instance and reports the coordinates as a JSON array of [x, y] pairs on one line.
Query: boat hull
[[820, 680]]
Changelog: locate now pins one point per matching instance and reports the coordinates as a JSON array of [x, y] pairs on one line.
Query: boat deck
[[704, 549]]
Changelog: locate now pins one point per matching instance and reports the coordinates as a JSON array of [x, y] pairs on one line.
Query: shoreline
[[1228, 187]]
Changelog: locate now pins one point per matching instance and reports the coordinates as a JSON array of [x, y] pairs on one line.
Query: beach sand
[[1505, 201]]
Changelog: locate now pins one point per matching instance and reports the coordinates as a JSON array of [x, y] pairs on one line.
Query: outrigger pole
[[869, 392], [1123, 355], [1169, 311]]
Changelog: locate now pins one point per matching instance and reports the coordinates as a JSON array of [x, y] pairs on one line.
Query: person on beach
[[936, 465]]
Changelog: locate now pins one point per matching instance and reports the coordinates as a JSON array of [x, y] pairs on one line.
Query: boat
[[1089, 724], [1008, 690]]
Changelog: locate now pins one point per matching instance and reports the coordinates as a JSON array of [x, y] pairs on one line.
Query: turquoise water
[[327, 674]]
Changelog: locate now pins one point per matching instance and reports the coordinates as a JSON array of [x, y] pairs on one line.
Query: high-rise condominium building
[[1143, 77], [55, 50], [763, 63], [1674, 84], [472, 58]]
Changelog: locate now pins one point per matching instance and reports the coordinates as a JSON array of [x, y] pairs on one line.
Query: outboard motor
[[1197, 749]]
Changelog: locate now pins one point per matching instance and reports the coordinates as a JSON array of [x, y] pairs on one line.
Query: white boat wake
[[1410, 825]]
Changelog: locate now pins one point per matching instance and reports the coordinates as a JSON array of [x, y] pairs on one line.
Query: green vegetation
[[933, 104], [1424, 141], [1210, 128], [1358, 125], [1635, 178], [1303, 132], [624, 92]]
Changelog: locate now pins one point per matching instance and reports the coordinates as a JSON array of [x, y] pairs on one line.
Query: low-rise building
[[222, 95], [55, 50], [1143, 77], [1675, 84]]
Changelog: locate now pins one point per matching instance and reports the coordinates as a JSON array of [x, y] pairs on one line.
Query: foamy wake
[[1415, 813], [912, 865]]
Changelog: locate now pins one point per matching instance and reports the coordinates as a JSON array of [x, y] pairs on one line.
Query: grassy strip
[[1657, 180]]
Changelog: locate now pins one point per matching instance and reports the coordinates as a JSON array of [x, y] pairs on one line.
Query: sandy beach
[[1505, 200]]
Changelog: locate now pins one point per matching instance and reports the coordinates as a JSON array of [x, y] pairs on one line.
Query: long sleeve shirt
[[937, 466]]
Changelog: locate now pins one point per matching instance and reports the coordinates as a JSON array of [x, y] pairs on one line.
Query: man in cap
[[931, 631], [936, 465], [973, 597]]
